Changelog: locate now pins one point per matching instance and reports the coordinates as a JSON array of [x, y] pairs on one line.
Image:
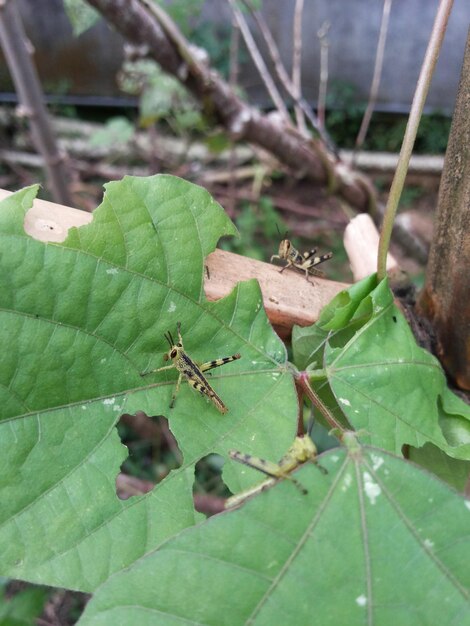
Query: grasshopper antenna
[[169, 338], [280, 234]]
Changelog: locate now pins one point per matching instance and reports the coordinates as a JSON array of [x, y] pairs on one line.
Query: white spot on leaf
[[428, 543], [377, 461], [346, 482], [467, 504], [112, 270], [361, 600], [172, 307], [371, 489], [344, 401], [109, 400]]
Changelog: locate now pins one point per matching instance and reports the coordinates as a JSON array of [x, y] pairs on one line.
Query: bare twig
[[422, 88], [286, 81], [297, 64], [323, 37], [17, 50], [259, 62], [233, 80], [374, 88]]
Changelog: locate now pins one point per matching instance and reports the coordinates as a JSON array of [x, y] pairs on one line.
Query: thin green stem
[[422, 88]]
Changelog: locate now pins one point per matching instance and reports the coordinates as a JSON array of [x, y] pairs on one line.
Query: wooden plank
[[288, 297]]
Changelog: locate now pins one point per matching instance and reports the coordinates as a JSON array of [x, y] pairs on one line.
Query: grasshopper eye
[[173, 353]]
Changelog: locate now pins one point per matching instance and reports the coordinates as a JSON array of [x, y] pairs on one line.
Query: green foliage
[[80, 322], [83, 319], [183, 12], [116, 132], [410, 194], [364, 360], [374, 541], [259, 223], [23, 608], [344, 117], [82, 16], [161, 97]]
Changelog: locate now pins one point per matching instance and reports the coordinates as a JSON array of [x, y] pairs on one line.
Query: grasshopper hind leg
[[175, 393]]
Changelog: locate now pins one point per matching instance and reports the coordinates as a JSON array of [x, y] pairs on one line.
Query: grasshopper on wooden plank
[[302, 450], [191, 370], [305, 262]]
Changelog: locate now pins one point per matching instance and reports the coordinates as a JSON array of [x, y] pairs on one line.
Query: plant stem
[[422, 88], [302, 381]]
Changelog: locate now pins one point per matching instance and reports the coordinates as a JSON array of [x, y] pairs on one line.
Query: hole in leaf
[[209, 489], [153, 453]]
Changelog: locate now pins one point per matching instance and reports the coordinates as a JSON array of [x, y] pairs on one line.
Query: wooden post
[[445, 300]]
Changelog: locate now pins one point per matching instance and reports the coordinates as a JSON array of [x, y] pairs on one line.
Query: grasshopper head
[[284, 248], [175, 348], [303, 449]]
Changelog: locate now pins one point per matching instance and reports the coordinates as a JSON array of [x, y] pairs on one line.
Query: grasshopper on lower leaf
[[305, 262], [302, 450], [192, 371]]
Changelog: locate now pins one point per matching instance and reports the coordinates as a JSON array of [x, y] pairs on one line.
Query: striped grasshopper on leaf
[[305, 262], [192, 371], [302, 450]]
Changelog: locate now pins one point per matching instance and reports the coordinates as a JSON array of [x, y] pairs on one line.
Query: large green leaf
[[375, 541], [80, 321], [364, 355]]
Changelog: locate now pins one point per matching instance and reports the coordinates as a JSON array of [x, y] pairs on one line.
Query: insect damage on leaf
[[191, 370]]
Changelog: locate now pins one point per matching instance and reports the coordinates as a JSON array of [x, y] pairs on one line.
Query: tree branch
[[135, 22]]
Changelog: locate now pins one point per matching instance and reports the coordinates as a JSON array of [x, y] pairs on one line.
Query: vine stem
[[303, 383], [422, 88]]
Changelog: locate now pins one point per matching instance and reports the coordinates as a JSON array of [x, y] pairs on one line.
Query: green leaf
[[453, 471], [81, 15], [117, 131], [375, 541], [371, 368], [80, 322]]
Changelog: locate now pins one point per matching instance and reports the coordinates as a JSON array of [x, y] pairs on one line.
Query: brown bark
[[168, 47], [445, 300]]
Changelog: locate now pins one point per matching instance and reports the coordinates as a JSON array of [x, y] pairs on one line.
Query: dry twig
[[18, 51], [374, 88]]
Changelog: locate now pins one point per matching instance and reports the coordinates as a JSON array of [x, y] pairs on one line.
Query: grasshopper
[[305, 262], [191, 370], [302, 450]]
